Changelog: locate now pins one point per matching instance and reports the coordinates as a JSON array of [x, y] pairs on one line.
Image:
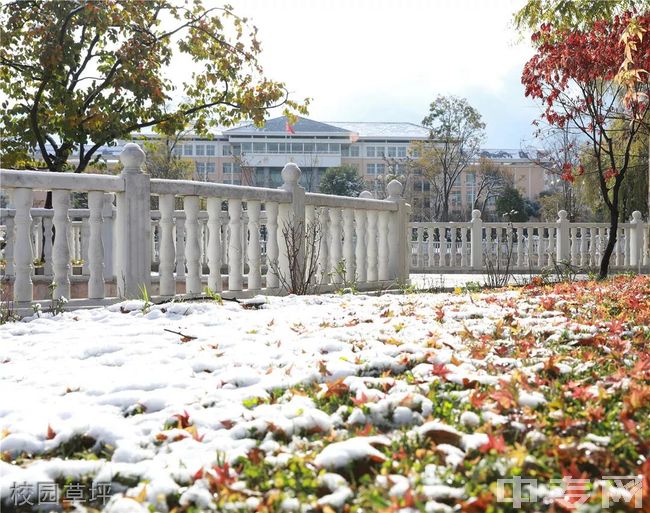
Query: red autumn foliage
[[581, 57], [494, 443]]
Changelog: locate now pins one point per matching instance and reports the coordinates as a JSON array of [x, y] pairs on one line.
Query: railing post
[[292, 218], [133, 239], [476, 242], [563, 237], [636, 239], [107, 235], [399, 236]]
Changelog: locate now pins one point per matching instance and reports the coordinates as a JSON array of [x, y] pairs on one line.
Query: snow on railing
[[119, 246], [523, 247]]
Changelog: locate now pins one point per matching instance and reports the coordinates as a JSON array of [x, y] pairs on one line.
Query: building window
[[401, 152], [455, 199], [354, 151], [259, 147], [246, 148], [335, 148], [200, 150], [296, 148], [200, 170], [209, 150], [309, 147], [187, 149], [392, 151], [321, 147], [226, 150], [375, 169], [231, 173], [272, 147], [370, 151], [470, 178], [210, 168]]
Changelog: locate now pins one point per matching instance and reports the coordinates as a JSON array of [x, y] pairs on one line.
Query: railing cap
[[394, 189], [132, 158], [636, 216], [476, 215], [563, 215], [291, 174]]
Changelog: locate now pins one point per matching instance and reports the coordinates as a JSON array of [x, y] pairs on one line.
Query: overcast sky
[[382, 60]]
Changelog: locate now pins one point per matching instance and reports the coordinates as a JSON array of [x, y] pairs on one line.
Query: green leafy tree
[[633, 191], [571, 14], [162, 160], [342, 181], [456, 132], [512, 205], [79, 74]]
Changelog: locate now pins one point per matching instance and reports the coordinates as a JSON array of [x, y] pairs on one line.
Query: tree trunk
[[611, 241]]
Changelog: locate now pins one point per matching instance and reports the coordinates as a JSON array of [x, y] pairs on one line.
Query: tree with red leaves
[[574, 73]]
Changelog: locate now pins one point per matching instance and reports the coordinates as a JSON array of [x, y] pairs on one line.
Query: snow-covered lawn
[[330, 403]]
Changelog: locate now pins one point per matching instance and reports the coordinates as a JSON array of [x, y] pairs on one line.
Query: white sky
[[383, 60]]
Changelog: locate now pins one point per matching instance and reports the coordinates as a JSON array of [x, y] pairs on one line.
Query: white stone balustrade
[[524, 247], [232, 238]]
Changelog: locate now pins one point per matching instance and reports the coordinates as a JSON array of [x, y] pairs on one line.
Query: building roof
[[279, 125], [383, 130], [510, 154]]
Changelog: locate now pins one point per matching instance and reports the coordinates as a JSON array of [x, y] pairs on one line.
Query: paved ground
[[450, 281]]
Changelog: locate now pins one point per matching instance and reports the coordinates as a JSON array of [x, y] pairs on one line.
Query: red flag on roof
[[288, 127]]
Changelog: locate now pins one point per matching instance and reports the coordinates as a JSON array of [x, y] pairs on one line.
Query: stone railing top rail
[[46, 181], [218, 190], [327, 200]]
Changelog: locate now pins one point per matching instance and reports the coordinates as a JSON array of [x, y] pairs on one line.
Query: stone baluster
[[180, 247], [61, 250], [348, 244], [636, 239], [167, 250], [9, 248], [214, 244], [573, 242], [520, 247], [47, 245], [431, 246], [323, 255], [254, 276], [383, 250], [476, 254], [235, 279], [23, 258], [36, 237], [84, 235], [419, 255], [372, 273], [272, 249], [361, 250], [192, 245], [336, 253], [95, 251]]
